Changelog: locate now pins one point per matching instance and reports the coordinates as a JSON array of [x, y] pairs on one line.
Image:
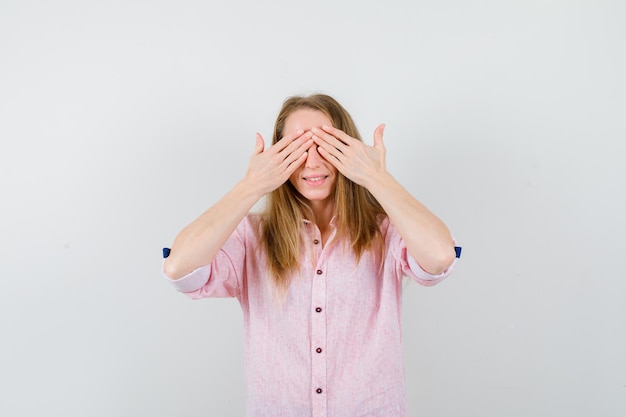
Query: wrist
[[380, 183], [249, 190]]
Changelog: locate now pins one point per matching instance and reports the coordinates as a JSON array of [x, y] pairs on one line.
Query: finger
[[259, 145], [378, 136], [329, 150], [333, 159], [328, 138], [293, 165], [287, 140], [298, 146], [339, 134], [292, 153]]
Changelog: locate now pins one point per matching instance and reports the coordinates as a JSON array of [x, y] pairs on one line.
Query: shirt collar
[[333, 220]]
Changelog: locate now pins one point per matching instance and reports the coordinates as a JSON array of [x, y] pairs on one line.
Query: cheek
[[293, 178]]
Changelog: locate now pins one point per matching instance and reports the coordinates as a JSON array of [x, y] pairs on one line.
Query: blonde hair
[[356, 209]]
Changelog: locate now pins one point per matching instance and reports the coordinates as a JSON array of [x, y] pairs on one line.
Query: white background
[[121, 121]]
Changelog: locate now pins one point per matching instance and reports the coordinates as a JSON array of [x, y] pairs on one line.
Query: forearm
[[427, 238], [198, 243]]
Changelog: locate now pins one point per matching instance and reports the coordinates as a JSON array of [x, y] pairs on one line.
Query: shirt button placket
[[318, 340]]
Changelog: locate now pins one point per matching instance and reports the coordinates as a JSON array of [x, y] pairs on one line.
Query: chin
[[315, 195]]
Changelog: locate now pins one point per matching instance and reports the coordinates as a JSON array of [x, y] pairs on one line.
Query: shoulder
[[390, 235], [250, 226], [383, 223], [253, 219]]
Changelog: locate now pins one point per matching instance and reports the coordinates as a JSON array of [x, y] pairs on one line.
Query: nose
[[313, 159]]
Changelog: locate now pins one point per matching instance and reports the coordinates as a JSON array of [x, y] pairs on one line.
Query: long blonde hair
[[356, 209]]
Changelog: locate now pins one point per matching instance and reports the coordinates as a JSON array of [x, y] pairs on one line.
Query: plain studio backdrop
[[121, 121]]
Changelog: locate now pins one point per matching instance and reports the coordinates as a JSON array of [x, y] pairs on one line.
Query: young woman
[[319, 273]]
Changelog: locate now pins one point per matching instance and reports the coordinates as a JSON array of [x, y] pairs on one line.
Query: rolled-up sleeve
[[406, 264], [192, 281], [223, 276], [412, 269]]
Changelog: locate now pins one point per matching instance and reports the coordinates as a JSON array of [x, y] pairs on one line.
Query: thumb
[[378, 136], [259, 145]]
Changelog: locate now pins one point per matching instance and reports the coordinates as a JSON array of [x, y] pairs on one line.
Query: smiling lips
[[315, 181]]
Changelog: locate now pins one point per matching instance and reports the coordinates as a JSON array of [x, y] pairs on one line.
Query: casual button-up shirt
[[332, 345]]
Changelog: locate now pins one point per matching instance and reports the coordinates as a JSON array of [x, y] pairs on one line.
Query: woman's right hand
[[270, 168], [197, 244]]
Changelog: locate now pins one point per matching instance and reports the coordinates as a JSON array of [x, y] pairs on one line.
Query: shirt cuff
[[192, 281], [426, 276]]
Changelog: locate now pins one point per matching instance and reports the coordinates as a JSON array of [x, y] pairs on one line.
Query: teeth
[[315, 178]]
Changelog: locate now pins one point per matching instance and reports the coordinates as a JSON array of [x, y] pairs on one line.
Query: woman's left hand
[[357, 161]]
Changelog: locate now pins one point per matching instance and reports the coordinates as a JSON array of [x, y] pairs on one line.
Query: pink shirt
[[333, 346]]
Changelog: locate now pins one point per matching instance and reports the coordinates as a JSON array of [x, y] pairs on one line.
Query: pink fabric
[[333, 346]]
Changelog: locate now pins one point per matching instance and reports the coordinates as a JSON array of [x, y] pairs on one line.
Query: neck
[[323, 212]]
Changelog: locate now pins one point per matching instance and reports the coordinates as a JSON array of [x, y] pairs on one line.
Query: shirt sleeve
[[407, 265], [223, 276], [412, 269]]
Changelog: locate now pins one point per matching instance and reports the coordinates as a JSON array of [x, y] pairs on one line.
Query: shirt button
[[316, 241], [319, 390], [318, 350], [318, 309], [319, 272]]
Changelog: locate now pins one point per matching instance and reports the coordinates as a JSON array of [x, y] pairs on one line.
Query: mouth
[[315, 181]]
